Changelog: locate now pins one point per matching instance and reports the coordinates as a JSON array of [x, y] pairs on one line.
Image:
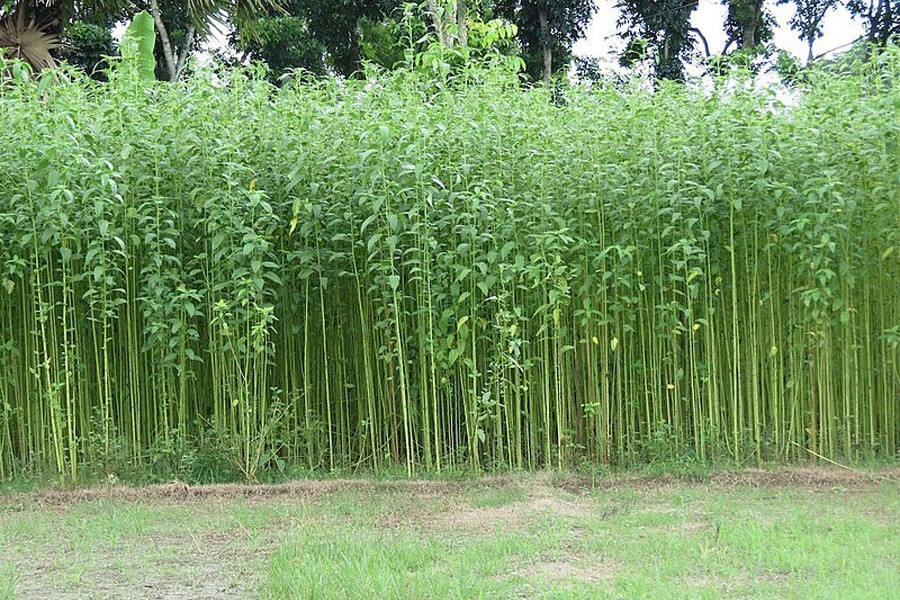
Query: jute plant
[[458, 276]]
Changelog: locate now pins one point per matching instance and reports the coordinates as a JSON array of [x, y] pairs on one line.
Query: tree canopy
[[337, 36]]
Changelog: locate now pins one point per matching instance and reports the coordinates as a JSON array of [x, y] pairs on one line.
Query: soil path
[[312, 490]]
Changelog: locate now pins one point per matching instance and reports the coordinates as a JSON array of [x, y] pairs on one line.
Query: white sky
[[603, 41]]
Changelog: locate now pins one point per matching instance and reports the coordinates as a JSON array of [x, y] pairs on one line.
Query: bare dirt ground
[[313, 490]]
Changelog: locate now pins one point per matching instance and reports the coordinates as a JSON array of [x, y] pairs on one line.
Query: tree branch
[[818, 56], [702, 37]]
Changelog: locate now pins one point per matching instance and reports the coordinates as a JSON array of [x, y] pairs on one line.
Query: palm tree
[[29, 31]]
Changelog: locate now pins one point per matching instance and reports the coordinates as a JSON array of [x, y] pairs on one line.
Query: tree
[[87, 40], [384, 42], [547, 31], [282, 42], [178, 34], [663, 26], [881, 18], [315, 35], [748, 24], [807, 20], [29, 30], [450, 20], [335, 24]]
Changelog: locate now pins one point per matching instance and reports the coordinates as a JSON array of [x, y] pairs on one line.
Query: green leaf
[[137, 47]]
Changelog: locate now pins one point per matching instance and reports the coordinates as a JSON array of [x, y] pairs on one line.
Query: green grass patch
[[7, 581], [520, 537]]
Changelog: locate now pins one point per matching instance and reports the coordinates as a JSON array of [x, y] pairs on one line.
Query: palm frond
[[21, 37], [241, 10]]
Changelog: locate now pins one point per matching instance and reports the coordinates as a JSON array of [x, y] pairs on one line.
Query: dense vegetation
[[450, 273]]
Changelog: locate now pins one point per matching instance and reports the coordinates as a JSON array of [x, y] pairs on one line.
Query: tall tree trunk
[[462, 26], [873, 16], [887, 22], [809, 35], [545, 45], [750, 26], [437, 15], [191, 32], [748, 35], [168, 54], [355, 55]]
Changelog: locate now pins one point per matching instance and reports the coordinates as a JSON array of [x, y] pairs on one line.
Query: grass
[[510, 537]]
